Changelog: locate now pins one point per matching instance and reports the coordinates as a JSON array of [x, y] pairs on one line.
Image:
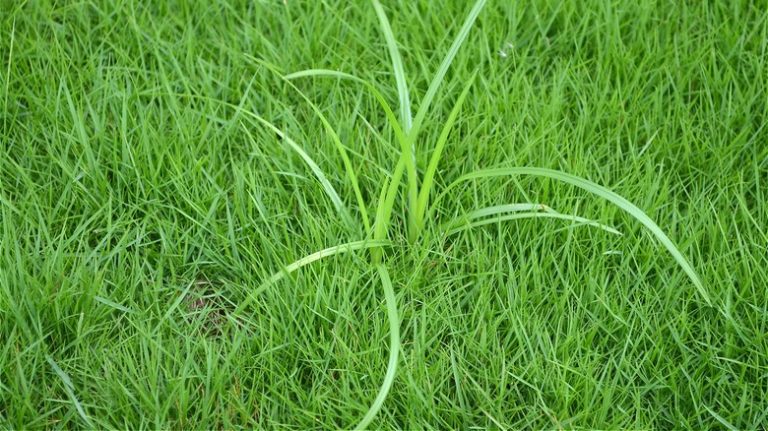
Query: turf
[[141, 205]]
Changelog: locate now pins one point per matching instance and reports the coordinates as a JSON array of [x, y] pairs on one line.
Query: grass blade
[[397, 67], [310, 258], [456, 227], [381, 218], [401, 138], [385, 208], [394, 348], [408, 146], [329, 190], [112, 304], [507, 208], [330, 251], [69, 388], [429, 175], [603, 192], [494, 211], [336, 142], [311, 73], [526, 210], [437, 80], [392, 119], [720, 419]]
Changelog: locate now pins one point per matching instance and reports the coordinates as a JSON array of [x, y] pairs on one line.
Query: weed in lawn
[[140, 206], [417, 206]]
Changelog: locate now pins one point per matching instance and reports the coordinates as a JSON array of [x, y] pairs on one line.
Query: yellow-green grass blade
[[506, 208], [397, 67], [459, 226], [434, 85], [437, 80], [408, 147], [376, 254], [385, 210], [429, 175], [394, 348], [310, 258], [502, 211], [336, 142], [494, 210], [385, 206], [603, 192], [313, 166], [391, 118]]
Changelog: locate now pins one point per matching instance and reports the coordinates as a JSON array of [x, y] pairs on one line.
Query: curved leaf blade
[[313, 166], [397, 67], [437, 152], [391, 118], [458, 227], [603, 192], [394, 348], [310, 258], [437, 80]]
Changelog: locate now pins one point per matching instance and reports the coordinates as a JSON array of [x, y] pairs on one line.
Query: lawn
[[164, 170]]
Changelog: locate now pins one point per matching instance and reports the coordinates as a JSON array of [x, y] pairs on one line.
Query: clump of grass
[[419, 205]]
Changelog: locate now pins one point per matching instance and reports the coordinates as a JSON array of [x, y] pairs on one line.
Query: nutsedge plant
[[419, 205]]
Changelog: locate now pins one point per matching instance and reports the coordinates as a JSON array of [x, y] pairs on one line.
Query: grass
[[159, 178]]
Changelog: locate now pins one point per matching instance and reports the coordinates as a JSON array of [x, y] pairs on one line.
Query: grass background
[[137, 211]]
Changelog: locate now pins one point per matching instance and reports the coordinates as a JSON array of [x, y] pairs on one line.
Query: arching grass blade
[[603, 192]]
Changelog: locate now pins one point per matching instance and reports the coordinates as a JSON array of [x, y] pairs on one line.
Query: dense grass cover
[[219, 215]]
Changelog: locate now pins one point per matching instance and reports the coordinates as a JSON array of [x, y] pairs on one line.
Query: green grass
[[150, 214]]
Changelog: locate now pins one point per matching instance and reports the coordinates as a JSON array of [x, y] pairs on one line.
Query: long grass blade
[[506, 208], [459, 227], [310, 258], [336, 142], [494, 211], [437, 80], [394, 348], [429, 175], [603, 192], [391, 118], [385, 206], [397, 67], [409, 146], [329, 189], [376, 254], [385, 210], [330, 251], [313, 166], [434, 85], [517, 211]]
